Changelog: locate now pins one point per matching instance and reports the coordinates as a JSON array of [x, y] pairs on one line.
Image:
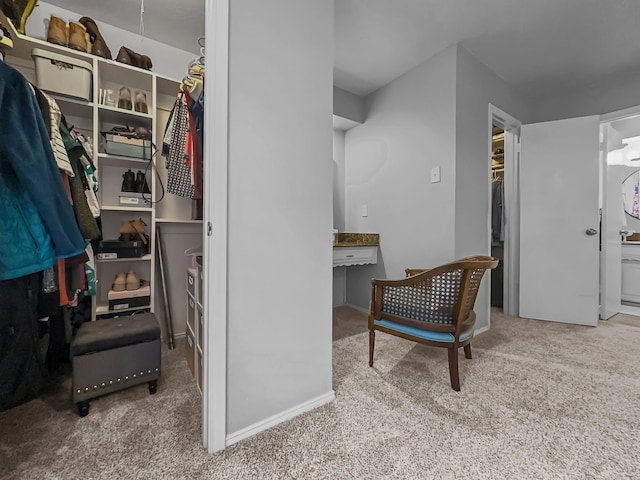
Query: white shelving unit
[[173, 213]]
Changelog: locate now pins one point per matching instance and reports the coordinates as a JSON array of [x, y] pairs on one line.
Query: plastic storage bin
[[127, 147], [63, 75]]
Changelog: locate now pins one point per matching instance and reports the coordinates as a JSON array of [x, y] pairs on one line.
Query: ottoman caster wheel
[[153, 387], [83, 409]]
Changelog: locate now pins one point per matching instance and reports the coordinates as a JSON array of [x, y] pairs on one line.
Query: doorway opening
[[497, 215], [620, 247], [504, 209]]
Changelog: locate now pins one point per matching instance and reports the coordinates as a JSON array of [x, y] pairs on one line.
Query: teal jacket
[[37, 223]]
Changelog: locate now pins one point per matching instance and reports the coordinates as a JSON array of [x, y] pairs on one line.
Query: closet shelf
[[120, 161], [73, 107], [126, 209], [23, 44], [120, 111], [144, 258], [177, 220], [102, 309]]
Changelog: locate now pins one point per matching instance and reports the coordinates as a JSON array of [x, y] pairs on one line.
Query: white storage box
[[134, 199], [62, 75]]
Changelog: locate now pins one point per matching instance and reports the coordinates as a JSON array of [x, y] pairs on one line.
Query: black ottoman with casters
[[112, 354]]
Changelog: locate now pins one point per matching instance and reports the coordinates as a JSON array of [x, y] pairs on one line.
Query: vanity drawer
[[191, 313], [200, 366], [190, 350], [200, 284], [631, 252], [192, 280], [345, 256], [200, 324]]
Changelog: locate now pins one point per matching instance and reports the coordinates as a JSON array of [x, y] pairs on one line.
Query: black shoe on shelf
[[129, 182]]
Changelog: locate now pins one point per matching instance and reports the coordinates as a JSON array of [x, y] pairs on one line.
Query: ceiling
[[543, 48], [174, 22]]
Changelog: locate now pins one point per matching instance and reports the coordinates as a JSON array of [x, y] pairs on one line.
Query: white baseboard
[[279, 418], [630, 309], [481, 330]]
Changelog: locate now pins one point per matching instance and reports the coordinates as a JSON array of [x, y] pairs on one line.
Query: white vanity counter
[[355, 249]]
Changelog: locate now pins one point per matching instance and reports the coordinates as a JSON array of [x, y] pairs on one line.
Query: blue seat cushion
[[432, 335]]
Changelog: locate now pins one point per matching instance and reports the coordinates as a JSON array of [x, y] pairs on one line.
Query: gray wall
[[436, 115], [338, 179], [279, 208], [348, 105], [409, 128], [476, 88]]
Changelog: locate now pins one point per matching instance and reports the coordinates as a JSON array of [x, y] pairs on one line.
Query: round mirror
[[631, 194]]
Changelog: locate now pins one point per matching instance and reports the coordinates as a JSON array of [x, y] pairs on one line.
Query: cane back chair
[[432, 307]]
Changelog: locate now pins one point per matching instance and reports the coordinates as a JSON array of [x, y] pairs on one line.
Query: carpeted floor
[[539, 401]]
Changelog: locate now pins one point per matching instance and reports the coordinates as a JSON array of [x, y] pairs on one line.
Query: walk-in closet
[[102, 193]]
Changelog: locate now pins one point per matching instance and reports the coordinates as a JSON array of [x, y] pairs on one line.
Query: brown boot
[[78, 37], [129, 57], [98, 45], [58, 32], [17, 11]]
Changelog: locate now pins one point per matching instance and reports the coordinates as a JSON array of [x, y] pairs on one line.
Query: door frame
[[511, 268], [216, 155]]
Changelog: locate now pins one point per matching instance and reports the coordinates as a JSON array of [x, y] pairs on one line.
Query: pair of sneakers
[[126, 281]]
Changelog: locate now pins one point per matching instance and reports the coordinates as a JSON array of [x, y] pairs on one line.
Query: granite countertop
[[347, 239]]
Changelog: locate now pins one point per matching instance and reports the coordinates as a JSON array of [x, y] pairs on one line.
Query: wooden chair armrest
[[410, 272]]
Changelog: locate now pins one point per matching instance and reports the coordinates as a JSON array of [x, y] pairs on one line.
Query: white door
[[559, 221]]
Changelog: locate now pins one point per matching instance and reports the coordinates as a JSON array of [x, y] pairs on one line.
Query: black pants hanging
[[22, 373]]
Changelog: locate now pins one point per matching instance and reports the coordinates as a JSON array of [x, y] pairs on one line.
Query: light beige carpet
[[539, 401], [625, 319]]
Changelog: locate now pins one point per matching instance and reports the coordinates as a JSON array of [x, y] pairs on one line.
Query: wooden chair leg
[[372, 341], [453, 369], [467, 351]]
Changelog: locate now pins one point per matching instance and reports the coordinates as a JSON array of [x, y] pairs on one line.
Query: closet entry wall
[[497, 215]]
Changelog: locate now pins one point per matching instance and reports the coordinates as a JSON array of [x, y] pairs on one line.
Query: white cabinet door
[[559, 221]]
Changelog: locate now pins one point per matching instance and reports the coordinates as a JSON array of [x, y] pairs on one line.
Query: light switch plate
[[435, 174], [365, 211]]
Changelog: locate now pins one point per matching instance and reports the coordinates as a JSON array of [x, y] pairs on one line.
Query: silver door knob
[[625, 233], [591, 231]]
